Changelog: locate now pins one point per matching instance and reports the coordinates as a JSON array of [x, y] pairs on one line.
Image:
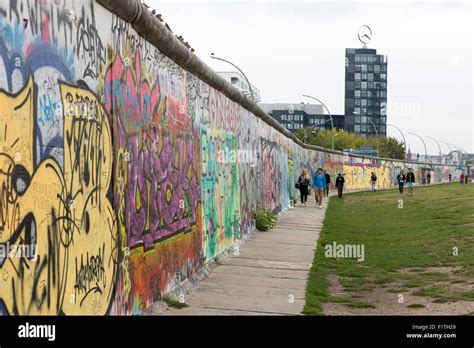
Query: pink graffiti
[[157, 173], [130, 94]]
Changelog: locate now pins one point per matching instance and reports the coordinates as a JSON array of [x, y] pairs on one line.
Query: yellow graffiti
[[358, 177], [62, 215]]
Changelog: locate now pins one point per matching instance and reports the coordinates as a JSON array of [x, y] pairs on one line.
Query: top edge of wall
[[145, 23]]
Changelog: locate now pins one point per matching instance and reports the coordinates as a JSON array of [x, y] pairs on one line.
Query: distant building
[[294, 116], [469, 158], [365, 92], [239, 82]]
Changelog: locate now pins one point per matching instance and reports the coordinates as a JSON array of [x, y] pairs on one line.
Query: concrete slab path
[[267, 277]]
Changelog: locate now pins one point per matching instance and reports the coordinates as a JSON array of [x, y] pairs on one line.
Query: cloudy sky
[[289, 48]]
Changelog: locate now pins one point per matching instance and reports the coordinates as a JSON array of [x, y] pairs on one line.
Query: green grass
[[422, 234], [174, 304]]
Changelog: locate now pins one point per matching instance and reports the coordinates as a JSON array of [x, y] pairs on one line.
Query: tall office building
[[366, 92]]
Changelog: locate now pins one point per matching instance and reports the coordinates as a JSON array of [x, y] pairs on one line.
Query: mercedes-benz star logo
[[365, 34]]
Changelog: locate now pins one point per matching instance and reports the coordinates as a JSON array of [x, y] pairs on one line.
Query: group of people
[[321, 183], [408, 179], [463, 178]]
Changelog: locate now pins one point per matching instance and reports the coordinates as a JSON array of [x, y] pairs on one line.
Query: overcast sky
[[289, 48]]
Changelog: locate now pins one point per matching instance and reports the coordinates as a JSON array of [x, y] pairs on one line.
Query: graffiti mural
[[157, 188], [126, 172], [72, 226], [220, 191], [249, 144]]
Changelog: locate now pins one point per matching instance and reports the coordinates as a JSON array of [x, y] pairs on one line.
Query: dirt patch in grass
[[442, 270], [390, 303]]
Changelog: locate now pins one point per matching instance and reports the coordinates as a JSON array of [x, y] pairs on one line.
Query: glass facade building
[[296, 116], [366, 92]]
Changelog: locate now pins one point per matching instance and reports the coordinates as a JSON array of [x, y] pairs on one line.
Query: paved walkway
[[269, 275]]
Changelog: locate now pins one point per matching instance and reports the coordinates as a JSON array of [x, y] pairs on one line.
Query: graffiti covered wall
[[56, 162], [125, 171]]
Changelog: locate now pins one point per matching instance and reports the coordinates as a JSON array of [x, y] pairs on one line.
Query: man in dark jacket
[[373, 179], [328, 181], [339, 184], [302, 185]]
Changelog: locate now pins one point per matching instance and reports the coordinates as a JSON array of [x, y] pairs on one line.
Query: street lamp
[[330, 117], [459, 148], [450, 150], [403, 136], [305, 138], [424, 144], [463, 150], [439, 147], [235, 66], [449, 147], [375, 128]]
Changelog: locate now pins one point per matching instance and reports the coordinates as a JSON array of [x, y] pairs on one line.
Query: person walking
[[466, 179], [339, 184], [428, 178], [373, 179], [401, 181], [450, 177], [462, 178], [410, 179], [303, 184], [319, 185], [328, 183]]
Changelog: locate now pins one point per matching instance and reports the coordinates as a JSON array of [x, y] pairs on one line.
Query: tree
[[388, 147]]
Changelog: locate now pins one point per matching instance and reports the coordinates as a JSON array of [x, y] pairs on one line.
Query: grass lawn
[[404, 248]]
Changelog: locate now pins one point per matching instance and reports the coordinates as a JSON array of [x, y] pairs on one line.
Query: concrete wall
[[128, 171]]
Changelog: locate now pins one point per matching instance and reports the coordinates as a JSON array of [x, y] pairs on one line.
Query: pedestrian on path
[[373, 179], [410, 180], [303, 185], [450, 177], [339, 184], [466, 179], [328, 183], [462, 178], [319, 185], [401, 181], [428, 178]]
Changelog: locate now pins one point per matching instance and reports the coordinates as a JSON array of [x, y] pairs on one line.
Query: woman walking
[[303, 184]]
